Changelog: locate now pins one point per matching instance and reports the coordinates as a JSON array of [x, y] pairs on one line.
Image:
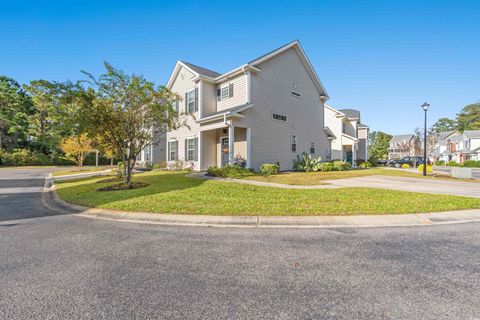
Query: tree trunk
[[1, 139], [111, 162], [125, 164]]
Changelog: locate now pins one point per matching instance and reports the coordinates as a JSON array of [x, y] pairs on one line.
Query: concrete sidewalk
[[420, 185]]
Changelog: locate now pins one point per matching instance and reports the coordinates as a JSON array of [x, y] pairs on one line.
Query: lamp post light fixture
[[425, 108]]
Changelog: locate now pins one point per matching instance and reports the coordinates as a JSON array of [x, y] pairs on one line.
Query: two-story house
[[456, 146], [404, 145], [349, 137], [265, 111]]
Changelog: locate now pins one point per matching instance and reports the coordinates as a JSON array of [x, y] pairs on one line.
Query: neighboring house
[[456, 146], [404, 145], [153, 153], [348, 136], [265, 111]]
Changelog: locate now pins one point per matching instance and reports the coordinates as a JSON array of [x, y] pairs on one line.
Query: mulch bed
[[123, 186]]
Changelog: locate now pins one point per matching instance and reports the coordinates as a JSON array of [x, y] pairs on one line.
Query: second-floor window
[[225, 92], [191, 101]]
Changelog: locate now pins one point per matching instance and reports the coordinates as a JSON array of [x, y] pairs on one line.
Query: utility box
[[462, 173]]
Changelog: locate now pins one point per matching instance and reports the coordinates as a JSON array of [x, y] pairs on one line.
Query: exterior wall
[[350, 128], [209, 98], [362, 144], [271, 93], [336, 126], [239, 93], [181, 86], [159, 150], [474, 143], [208, 142]]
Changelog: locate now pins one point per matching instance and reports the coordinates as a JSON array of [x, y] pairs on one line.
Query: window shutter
[[196, 149], [186, 150], [230, 90], [168, 152], [176, 150], [186, 102], [219, 96], [196, 99]]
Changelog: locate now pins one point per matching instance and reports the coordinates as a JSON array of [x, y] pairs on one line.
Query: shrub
[[239, 161], [23, 157], [452, 163], [342, 165], [233, 171], [429, 168], [365, 164], [269, 169], [439, 162], [472, 163], [306, 163], [373, 161], [405, 166], [326, 166]]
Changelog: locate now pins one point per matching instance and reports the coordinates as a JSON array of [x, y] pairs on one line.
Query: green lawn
[[75, 170], [318, 178], [176, 193]]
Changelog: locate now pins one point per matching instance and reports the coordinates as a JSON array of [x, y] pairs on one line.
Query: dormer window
[[225, 92]]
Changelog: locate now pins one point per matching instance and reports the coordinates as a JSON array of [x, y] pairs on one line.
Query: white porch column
[[231, 143], [200, 160], [249, 148], [200, 99], [354, 154]]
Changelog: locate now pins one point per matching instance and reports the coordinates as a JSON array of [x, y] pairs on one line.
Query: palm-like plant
[[306, 163]]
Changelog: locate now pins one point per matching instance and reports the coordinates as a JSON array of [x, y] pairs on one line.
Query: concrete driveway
[[440, 186], [67, 267]]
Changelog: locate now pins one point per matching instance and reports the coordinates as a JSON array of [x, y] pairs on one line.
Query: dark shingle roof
[[401, 137], [202, 71], [351, 113], [445, 134]]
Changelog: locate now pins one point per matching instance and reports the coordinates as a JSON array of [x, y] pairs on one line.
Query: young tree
[[77, 148], [444, 124], [129, 112], [378, 144], [15, 108], [469, 117]]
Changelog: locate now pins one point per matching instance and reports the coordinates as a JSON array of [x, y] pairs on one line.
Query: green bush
[[24, 157], [234, 171], [429, 168], [342, 165], [471, 164], [269, 169], [364, 164], [373, 161], [405, 166], [306, 163], [439, 162], [452, 163], [326, 166]]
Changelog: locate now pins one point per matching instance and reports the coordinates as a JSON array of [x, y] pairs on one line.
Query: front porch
[[349, 146], [223, 145]]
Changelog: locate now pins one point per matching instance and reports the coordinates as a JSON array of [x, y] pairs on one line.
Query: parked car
[[411, 161], [382, 162]]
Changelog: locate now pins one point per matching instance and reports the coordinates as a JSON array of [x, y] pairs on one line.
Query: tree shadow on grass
[[88, 195]]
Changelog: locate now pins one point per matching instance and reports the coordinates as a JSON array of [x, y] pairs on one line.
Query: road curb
[[53, 201]]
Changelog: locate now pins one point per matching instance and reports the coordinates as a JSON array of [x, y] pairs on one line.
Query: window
[[312, 148], [191, 149], [296, 94], [280, 117], [191, 104], [172, 150], [175, 106], [147, 150], [225, 92], [294, 143]]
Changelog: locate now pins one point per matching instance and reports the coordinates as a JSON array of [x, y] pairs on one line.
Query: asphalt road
[[69, 267]]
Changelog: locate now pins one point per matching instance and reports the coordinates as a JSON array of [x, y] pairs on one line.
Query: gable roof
[[401, 137], [444, 135], [215, 76], [351, 113], [361, 125], [338, 113], [472, 133], [202, 71]]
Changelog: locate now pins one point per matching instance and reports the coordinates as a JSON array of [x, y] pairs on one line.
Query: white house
[[404, 145], [265, 111], [456, 146], [349, 137]]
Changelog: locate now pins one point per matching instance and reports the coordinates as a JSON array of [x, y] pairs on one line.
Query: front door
[[349, 156], [224, 146]]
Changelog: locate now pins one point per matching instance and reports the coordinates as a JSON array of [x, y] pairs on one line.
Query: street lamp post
[[425, 108]]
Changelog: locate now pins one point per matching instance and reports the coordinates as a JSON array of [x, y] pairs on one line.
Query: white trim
[[231, 143], [200, 98], [249, 148], [249, 87]]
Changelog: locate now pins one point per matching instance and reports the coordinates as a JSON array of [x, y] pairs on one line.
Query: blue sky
[[383, 57]]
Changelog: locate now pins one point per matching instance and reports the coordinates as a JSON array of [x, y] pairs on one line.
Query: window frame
[[190, 94], [170, 143], [192, 149], [293, 143], [279, 117], [312, 147]]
